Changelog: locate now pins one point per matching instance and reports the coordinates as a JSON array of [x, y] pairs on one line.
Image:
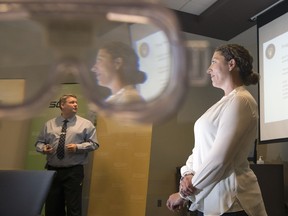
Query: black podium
[[271, 182], [23, 192]]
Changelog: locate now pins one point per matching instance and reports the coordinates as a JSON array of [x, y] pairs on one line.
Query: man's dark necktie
[[61, 144]]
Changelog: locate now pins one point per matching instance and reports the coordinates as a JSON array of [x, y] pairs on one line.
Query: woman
[[217, 178], [116, 68]]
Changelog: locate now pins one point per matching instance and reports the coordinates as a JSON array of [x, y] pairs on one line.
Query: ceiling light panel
[[196, 7], [174, 4]]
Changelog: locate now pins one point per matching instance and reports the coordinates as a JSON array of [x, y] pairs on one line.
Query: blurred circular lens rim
[[153, 111]]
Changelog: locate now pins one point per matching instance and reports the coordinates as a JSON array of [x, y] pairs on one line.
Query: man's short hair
[[64, 97]]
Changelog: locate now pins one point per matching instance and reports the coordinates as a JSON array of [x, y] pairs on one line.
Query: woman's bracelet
[[182, 196]]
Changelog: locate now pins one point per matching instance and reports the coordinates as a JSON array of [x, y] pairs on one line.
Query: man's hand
[[47, 149], [71, 147], [175, 202]]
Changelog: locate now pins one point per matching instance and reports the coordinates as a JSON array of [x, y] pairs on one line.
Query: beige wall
[[120, 169], [13, 145]]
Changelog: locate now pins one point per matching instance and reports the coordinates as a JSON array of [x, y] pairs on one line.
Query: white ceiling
[[195, 7]]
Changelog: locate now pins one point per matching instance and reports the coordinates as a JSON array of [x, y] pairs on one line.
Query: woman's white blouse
[[224, 137], [125, 95]]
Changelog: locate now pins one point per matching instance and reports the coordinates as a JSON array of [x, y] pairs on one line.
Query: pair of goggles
[[47, 43]]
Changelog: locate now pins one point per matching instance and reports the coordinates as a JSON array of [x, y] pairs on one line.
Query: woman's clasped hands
[[178, 200]]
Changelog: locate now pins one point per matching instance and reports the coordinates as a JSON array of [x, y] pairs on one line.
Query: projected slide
[[275, 65], [273, 86], [153, 50]]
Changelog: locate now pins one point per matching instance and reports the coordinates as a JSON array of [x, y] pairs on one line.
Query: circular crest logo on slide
[[270, 51], [144, 50]]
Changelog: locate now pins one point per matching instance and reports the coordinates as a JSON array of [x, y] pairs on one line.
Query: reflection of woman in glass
[[116, 68]]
